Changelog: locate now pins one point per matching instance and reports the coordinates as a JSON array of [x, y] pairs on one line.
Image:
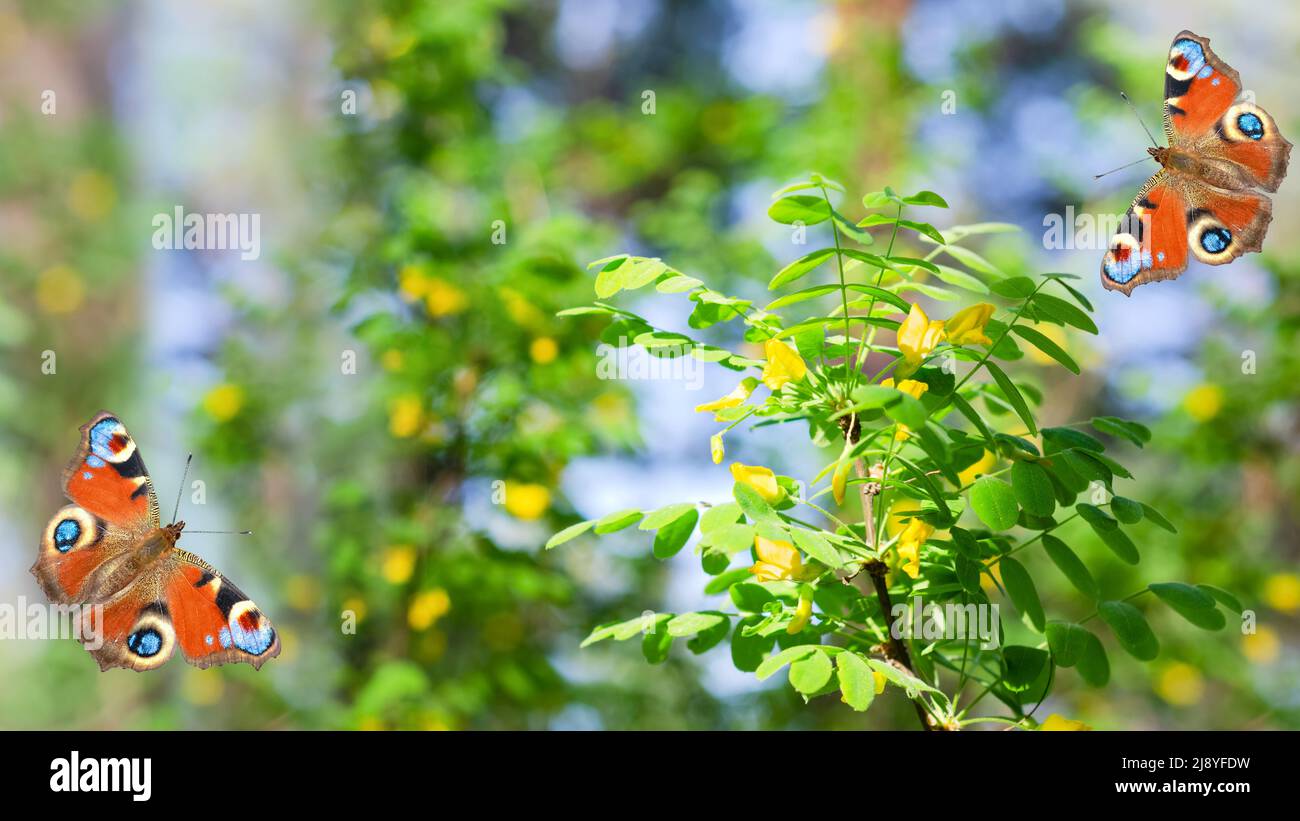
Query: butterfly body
[[1205, 200], [145, 596]]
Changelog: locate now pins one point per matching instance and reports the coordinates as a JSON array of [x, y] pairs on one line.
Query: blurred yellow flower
[[716, 450], [392, 360], [520, 309], [909, 546], [91, 196], [357, 605], [761, 479], [59, 290], [1203, 402], [1282, 592], [731, 400], [777, 559], [442, 298], [1180, 684], [412, 282], [224, 402], [302, 592], [1056, 723], [917, 337], [527, 500], [369, 724], [1262, 646], [202, 687], [405, 416], [427, 607], [399, 563], [967, 326], [543, 350], [783, 364], [985, 464]]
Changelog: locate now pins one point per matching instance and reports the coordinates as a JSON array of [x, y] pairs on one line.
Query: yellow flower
[[91, 196], [917, 336], [302, 592], [392, 360], [412, 282], [406, 416], [399, 563], [985, 464], [1203, 402], [880, 680], [802, 612], [783, 364], [1057, 722], [59, 290], [442, 298], [761, 479], [899, 512], [224, 402], [1282, 592], [716, 450], [427, 608], [1180, 684], [527, 500], [777, 560], [1262, 646], [543, 350], [731, 400], [201, 688], [912, 388], [909, 545], [967, 325], [357, 605]]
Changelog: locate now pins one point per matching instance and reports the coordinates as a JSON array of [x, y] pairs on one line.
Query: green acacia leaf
[[709, 638], [1012, 393], [1193, 604], [1073, 645], [751, 597], [747, 651], [1126, 510], [618, 520], [665, 515], [787, 656], [1033, 488], [1058, 439], [753, 505], [811, 673], [1120, 544], [926, 198], [570, 533], [1071, 566], [719, 516], [1222, 596], [672, 537], [1135, 432], [800, 267], [688, 624], [804, 208], [817, 547], [857, 684], [1013, 287], [1130, 628], [1064, 312], [973, 261], [1154, 516], [1024, 666], [1047, 346], [1020, 587], [994, 503], [655, 645]]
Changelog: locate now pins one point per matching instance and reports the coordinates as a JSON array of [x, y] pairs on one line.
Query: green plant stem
[[844, 291]]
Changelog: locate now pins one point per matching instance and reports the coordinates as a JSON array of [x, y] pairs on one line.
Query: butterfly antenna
[[181, 490], [1139, 117], [227, 532], [1121, 168]]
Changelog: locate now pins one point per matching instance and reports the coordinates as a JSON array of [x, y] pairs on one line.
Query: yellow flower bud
[[731, 400], [1056, 722], [802, 612], [716, 450]]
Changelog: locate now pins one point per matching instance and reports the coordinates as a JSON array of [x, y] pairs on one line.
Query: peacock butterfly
[[1221, 148], [108, 549]]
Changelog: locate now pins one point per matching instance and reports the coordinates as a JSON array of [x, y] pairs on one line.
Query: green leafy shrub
[[959, 490]]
